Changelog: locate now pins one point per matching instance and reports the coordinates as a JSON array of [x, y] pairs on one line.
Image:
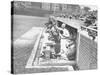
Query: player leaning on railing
[[90, 24]]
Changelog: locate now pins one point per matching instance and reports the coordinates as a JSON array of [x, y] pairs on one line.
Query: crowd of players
[[90, 25], [89, 20], [64, 38]]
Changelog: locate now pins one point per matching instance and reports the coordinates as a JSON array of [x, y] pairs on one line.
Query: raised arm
[[58, 28]]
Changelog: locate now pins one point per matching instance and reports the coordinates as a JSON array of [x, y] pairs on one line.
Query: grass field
[[22, 24]]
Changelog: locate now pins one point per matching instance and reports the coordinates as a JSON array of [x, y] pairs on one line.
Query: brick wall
[[87, 54]]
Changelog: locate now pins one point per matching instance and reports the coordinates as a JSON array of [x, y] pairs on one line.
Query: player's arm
[[58, 28]]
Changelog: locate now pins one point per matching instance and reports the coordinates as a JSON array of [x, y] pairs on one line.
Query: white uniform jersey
[[64, 43], [65, 34]]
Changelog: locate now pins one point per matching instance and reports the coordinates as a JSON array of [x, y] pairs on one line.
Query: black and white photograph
[[53, 37]]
